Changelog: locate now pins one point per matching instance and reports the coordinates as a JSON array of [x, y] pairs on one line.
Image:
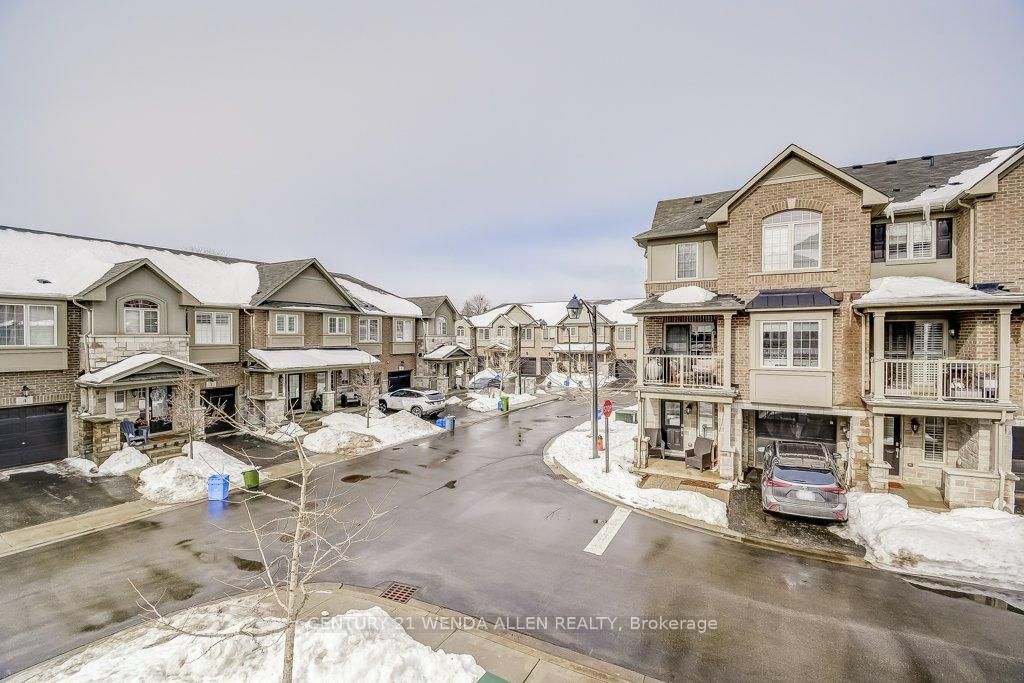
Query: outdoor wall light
[[689, 408], [401, 365], [914, 425], [25, 391]]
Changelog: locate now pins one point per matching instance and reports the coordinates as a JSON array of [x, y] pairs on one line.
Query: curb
[[711, 530]]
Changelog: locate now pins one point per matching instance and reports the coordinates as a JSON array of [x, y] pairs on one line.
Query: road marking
[[600, 542]]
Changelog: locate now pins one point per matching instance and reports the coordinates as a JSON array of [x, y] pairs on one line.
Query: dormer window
[[141, 316], [791, 240]]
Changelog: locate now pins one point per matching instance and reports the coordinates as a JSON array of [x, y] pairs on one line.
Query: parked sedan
[[419, 402], [802, 479]]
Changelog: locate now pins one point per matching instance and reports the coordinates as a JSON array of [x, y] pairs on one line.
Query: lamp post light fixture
[[574, 308]]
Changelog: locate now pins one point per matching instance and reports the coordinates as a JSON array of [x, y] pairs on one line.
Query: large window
[[934, 439], [687, 257], [441, 326], [404, 330], [573, 331], [286, 323], [39, 320], [791, 240], [141, 317], [337, 324], [690, 338], [460, 331], [502, 331], [526, 333], [484, 333], [786, 344], [549, 333], [912, 240], [369, 330], [213, 328], [624, 334]]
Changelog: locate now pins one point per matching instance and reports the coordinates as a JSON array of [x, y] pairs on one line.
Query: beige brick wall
[[998, 229]]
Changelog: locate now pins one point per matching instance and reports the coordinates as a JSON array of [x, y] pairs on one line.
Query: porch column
[[727, 350], [109, 412], [641, 352], [1004, 355], [639, 458], [727, 456], [877, 354], [878, 469]]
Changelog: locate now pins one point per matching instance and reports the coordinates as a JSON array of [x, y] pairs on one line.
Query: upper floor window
[[337, 324], [526, 333], [549, 333], [687, 260], [791, 240], [904, 241], [790, 344], [573, 331], [369, 330], [441, 326], [602, 333], [213, 328], [404, 330], [485, 333], [625, 334], [39, 320], [502, 331], [141, 316], [460, 331], [286, 323]]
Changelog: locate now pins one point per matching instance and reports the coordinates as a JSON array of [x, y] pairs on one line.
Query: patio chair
[[133, 436], [702, 455], [655, 444]]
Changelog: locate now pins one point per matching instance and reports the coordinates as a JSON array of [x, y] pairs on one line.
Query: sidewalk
[[505, 655], [31, 537]]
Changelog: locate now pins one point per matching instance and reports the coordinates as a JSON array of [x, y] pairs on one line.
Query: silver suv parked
[[802, 479], [419, 402]]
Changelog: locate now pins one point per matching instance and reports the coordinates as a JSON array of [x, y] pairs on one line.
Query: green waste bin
[[504, 404], [251, 479]]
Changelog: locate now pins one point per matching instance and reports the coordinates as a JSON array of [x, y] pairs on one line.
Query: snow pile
[[358, 646], [284, 434], [453, 401], [182, 479], [339, 428], [940, 197], [573, 450], [976, 545], [900, 287], [81, 466], [686, 295], [733, 486], [579, 380], [486, 373], [119, 463], [485, 404], [375, 413]]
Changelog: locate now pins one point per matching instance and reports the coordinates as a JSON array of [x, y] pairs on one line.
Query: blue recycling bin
[[449, 423], [440, 422], [217, 486]]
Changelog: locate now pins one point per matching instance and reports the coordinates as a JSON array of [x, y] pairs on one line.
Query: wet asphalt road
[[482, 526]]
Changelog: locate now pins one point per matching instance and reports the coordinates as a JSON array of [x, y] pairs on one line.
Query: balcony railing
[[683, 371], [941, 380]]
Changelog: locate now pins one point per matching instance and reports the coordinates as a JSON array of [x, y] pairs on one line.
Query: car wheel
[[382, 405], [417, 411]]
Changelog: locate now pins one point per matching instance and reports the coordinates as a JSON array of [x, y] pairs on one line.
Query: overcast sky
[[511, 148]]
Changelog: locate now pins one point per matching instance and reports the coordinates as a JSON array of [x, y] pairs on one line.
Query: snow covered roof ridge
[[901, 289]]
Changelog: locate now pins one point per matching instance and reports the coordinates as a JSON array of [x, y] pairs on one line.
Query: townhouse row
[[875, 308], [94, 333]]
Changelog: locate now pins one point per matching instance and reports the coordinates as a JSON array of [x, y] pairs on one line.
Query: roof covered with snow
[[295, 359], [615, 311], [487, 318], [546, 312], [897, 290], [374, 299], [445, 352], [137, 363], [689, 299], [581, 347]]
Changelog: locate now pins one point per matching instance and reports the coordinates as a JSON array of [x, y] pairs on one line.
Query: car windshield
[[434, 395], [797, 475]]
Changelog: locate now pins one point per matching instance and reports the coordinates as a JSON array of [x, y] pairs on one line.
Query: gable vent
[[857, 166], [698, 200]]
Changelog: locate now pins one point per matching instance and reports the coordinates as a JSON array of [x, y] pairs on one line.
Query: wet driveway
[[481, 525], [42, 495]]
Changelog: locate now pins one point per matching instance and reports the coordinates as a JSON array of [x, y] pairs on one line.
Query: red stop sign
[[607, 408]]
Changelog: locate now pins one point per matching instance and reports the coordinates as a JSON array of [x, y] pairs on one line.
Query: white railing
[[941, 380], [683, 371]]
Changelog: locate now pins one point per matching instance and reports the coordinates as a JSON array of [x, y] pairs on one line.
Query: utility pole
[[575, 307]]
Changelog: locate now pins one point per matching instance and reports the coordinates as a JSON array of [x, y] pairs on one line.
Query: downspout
[[863, 347], [970, 240], [88, 314], [252, 337]]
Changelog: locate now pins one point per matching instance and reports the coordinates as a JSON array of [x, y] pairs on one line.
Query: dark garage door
[[794, 427], [31, 434], [222, 402], [399, 380], [528, 367]]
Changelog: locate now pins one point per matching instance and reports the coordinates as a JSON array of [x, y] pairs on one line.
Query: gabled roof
[[124, 370], [990, 182], [804, 297], [120, 270], [309, 359], [683, 216], [487, 318], [274, 276], [429, 304], [447, 352], [372, 299]]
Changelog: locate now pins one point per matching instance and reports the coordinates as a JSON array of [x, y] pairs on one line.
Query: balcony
[[684, 371], [941, 380]]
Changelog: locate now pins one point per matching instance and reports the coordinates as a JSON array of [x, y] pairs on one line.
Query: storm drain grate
[[399, 592]]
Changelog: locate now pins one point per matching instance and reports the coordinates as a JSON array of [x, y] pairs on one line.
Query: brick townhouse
[[874, 308], [95, 332]]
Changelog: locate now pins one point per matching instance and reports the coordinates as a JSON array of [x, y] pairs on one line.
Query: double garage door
[[31, 434]]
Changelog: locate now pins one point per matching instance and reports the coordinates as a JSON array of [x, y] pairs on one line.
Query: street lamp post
[[575, 307]]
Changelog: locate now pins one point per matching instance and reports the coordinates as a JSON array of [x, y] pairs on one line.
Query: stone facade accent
[[104, 350]]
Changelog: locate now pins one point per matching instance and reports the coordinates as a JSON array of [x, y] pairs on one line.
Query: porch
[[687, 351], [674, 475]]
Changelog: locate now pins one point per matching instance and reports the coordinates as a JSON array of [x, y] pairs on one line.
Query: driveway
[[481, 525], [43, 494]]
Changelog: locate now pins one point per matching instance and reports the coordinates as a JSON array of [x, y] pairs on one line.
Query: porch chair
[[702, 455], [655, 444], [133, 436]]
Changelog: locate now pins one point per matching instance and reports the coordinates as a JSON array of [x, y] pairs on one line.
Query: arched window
[[501, 331], [791, 240], [141, 316], [441, 326], [460, 331]]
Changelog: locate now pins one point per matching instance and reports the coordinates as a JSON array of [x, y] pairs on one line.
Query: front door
[[891, 442], [293, 391], [672, 425], [159, 404]]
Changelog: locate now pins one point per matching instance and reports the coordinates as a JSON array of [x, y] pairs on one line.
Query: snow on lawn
[[573, 449], [976, 545], [453, 401], [360, 645], [283, 434], [482, 403], [341, 430], [119, 462], [182, 479], [579, 380]]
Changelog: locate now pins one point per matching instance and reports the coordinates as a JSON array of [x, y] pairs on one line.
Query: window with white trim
[[369, 330], [602, 333], [39, 319], [549, 333], [624, 334], [441, 326], [791, 240], [484, 333], [337, 324], [573, 331], [141, 316], [286, 323], [120, 401], [909, 240], [404, 330], [790, 344], [502, 331], [213, 328], [526, 333], [460, 331], [687, 260], [934, 439]]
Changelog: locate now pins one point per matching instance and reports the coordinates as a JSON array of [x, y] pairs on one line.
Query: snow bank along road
[[483, 527]]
